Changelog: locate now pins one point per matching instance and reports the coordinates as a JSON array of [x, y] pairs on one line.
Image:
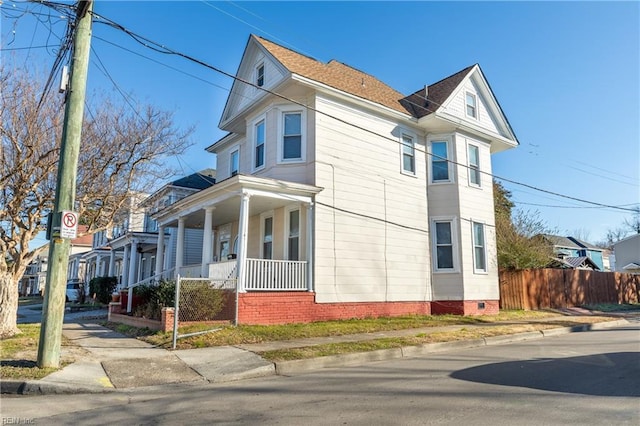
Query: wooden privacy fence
[[562, 288]]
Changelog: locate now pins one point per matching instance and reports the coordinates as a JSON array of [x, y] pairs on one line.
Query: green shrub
[[200, 302], [102, 287], [154, 298]]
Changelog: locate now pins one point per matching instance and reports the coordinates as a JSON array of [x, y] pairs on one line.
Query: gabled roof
[[632, 266], [424, 102], [560, 241], [337, 75], [195, 181]]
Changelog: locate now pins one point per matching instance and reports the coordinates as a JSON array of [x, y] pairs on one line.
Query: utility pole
[[55, 292]]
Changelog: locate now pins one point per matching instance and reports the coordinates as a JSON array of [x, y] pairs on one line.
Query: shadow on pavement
[[608, 374]]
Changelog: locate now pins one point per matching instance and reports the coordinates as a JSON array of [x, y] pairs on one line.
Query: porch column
[[160, 251], [180, 245], [99, 267], [207, 252], [309, 244], [243, 231], [125, 266], [133, 254], [112, 262]]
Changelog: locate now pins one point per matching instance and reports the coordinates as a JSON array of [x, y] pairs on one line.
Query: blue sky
[[565, 73]]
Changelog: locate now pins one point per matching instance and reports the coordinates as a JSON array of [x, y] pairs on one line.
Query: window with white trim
[[260, 75], [408, 154], [234, 162], [292, 136], [440, 161], [471, 105], [443, 241], [267, 237], [474, 165], [479, 248], [259, 145], [293, 235]]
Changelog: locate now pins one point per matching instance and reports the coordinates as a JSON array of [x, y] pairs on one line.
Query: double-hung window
[[234, 162], [474, 165], [259, 145], [293, 237], [408, 155], [444, 245], [479, 247], [471, 105], [292, 136], [267, 238], [439, 161], [260, 75]]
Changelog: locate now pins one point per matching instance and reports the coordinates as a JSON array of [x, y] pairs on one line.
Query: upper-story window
[[474, 165], [471, 105], [440, 161], [408, 155], [259, 145], [234, 162], [292, 136], [260, 75]]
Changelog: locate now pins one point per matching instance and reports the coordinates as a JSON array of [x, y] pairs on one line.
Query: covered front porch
[[254, 230]]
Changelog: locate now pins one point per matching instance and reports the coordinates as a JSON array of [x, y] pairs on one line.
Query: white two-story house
[[338, 196]]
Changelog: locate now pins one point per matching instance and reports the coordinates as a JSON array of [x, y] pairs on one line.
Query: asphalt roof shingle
[[355, 82]]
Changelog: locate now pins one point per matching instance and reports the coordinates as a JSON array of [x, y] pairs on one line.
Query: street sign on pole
[[69, 225]]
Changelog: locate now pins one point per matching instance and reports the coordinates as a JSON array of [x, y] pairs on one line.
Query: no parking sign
[[69, 224]]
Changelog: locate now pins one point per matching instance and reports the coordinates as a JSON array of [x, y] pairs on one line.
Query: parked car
[[73, 291]]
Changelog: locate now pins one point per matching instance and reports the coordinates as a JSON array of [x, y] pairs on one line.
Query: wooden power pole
[[55, 292]]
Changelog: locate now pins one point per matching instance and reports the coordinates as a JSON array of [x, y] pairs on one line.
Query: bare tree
[[516, 233], [122, 151]]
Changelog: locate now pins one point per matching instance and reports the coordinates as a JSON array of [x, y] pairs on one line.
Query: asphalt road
[[590, 378]]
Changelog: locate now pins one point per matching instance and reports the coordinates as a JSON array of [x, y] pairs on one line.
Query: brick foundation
[[295, 307], [465, 307]]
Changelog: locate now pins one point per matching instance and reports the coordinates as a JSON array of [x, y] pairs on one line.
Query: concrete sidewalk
[[116, 362]]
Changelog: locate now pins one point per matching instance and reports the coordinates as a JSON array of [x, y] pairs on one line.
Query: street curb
[[335, 361], [264, 371], [36, 387]]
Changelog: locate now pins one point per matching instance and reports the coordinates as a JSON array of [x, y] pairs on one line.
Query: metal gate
[[207, 301]]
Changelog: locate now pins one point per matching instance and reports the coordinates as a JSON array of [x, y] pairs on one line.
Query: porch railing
[[191, 271], [223, 270], [276, 275], [154, 279]]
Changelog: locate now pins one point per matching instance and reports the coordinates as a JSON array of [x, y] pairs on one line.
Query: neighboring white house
[[627, 255], [129, 249], [340, 197], [35, 277]]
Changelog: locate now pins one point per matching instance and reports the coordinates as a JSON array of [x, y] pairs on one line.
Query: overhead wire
[[160, 48]]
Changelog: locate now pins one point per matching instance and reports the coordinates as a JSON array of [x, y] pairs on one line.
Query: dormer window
[[471, 101], [260, 75]]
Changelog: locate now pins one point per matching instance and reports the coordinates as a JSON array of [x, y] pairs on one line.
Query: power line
[[160, 48]]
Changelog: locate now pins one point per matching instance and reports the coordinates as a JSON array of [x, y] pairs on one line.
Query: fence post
[[176, 312]]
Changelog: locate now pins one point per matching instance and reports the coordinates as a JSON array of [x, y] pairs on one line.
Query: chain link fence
[[204, 301]]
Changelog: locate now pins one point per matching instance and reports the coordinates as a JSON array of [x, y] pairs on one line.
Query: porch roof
[[224, 197]]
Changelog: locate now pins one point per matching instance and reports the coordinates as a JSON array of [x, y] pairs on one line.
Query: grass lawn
[[612, 307], [510, 322], [18, 354]]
